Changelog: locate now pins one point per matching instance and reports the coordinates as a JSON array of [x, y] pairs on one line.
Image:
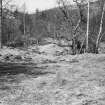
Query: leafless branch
[[63, 5], [100, 30], [6, 2]]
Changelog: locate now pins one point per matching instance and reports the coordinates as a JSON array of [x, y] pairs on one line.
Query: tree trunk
[[0, 23], [100, 30], [87, 37]]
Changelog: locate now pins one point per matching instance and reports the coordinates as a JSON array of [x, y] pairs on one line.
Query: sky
[[32, 5]]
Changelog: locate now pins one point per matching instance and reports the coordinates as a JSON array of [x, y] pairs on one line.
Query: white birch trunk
[[24, 19], [87, 35], [100, 30]]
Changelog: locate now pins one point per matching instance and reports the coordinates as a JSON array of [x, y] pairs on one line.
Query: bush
[[15, 44]]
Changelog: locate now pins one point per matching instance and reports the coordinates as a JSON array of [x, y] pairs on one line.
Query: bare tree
[[0, 23], [100, 29], [24, 10], [65, 7], [87, 36]]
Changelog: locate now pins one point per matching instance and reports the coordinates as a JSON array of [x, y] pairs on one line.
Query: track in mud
[[17, 68]]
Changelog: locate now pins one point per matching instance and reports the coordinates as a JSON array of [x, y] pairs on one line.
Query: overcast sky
[[32, 5]]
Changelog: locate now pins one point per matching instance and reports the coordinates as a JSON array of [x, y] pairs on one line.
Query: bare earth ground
[[60, 80]]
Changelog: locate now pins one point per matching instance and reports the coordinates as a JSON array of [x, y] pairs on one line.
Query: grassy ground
[[71, 80]]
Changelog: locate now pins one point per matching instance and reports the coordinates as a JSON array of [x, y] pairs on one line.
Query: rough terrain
[[51, 78]]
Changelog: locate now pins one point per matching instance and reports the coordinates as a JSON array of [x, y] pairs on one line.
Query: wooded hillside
[[51, 23]]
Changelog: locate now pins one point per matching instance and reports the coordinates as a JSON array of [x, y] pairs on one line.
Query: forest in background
[[58, 23]]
